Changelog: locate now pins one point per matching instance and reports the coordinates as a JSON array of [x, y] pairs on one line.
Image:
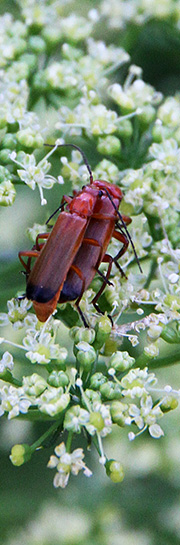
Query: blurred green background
[[145, 508]]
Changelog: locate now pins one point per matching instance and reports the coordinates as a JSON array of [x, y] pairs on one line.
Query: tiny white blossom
[[6, 362], [146, 414], [34, 174], [14, 401], [99, 420], [75, 418], [53, 401], [67, 463], [136, 382], [41, 348]]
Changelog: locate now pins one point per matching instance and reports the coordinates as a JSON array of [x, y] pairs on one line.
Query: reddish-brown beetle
[[67, 262]]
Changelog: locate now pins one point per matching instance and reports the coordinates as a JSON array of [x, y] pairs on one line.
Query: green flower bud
[[151, 350], [52, 38], [125, 129], [110, 390], [159, 133], [7, 193], [30, 61], [34, 385], [82, 334], [110, 347], [172, 301], [3, 121], [117, 409], [96, 420], [4, 156], [9, 141], [4, 174], [147, 116], [121, 361], [20, 454], [62, 357], [86, 355], [110, 145], [169, 335], [154, 332], [58, 378], [28, 139], [103, 330], [92, 396], [169, 404], [96, 380], [115, 471], [37, 44]]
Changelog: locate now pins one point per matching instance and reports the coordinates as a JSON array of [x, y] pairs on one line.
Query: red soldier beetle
[[62, 269], [54, 258], [92, 252]]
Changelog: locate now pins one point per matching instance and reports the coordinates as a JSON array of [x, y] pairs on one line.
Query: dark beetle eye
[[100, 194]]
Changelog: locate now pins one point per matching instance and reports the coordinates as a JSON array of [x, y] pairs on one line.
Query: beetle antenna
[[125, 228], [55, 212], [82, 154]]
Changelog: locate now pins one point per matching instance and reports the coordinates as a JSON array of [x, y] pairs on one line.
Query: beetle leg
[[29, 254], [82, 315], [109, 259], [93, 242], [40, 235], [103, 277], [106, 259], [79, 273], [127, 220], [122, 238], [101, 312]]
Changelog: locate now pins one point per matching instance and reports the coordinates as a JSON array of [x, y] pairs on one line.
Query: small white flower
[[99, 420], [14, 401], [17, 312], [6, 362], [53, 401], [67, 463], [75, 418], [41, 348], [34, 174]]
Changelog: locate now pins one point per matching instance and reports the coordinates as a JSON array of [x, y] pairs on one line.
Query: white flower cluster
[[77, 70], [11, 43], [121, 12]]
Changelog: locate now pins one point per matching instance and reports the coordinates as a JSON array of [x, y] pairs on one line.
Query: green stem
[[96, 444], [159, 361], [7, 377], [69, 441], [50, 431], [151, 274]]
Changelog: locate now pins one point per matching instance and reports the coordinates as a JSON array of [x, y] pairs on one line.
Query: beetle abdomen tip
[[40, 294]]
